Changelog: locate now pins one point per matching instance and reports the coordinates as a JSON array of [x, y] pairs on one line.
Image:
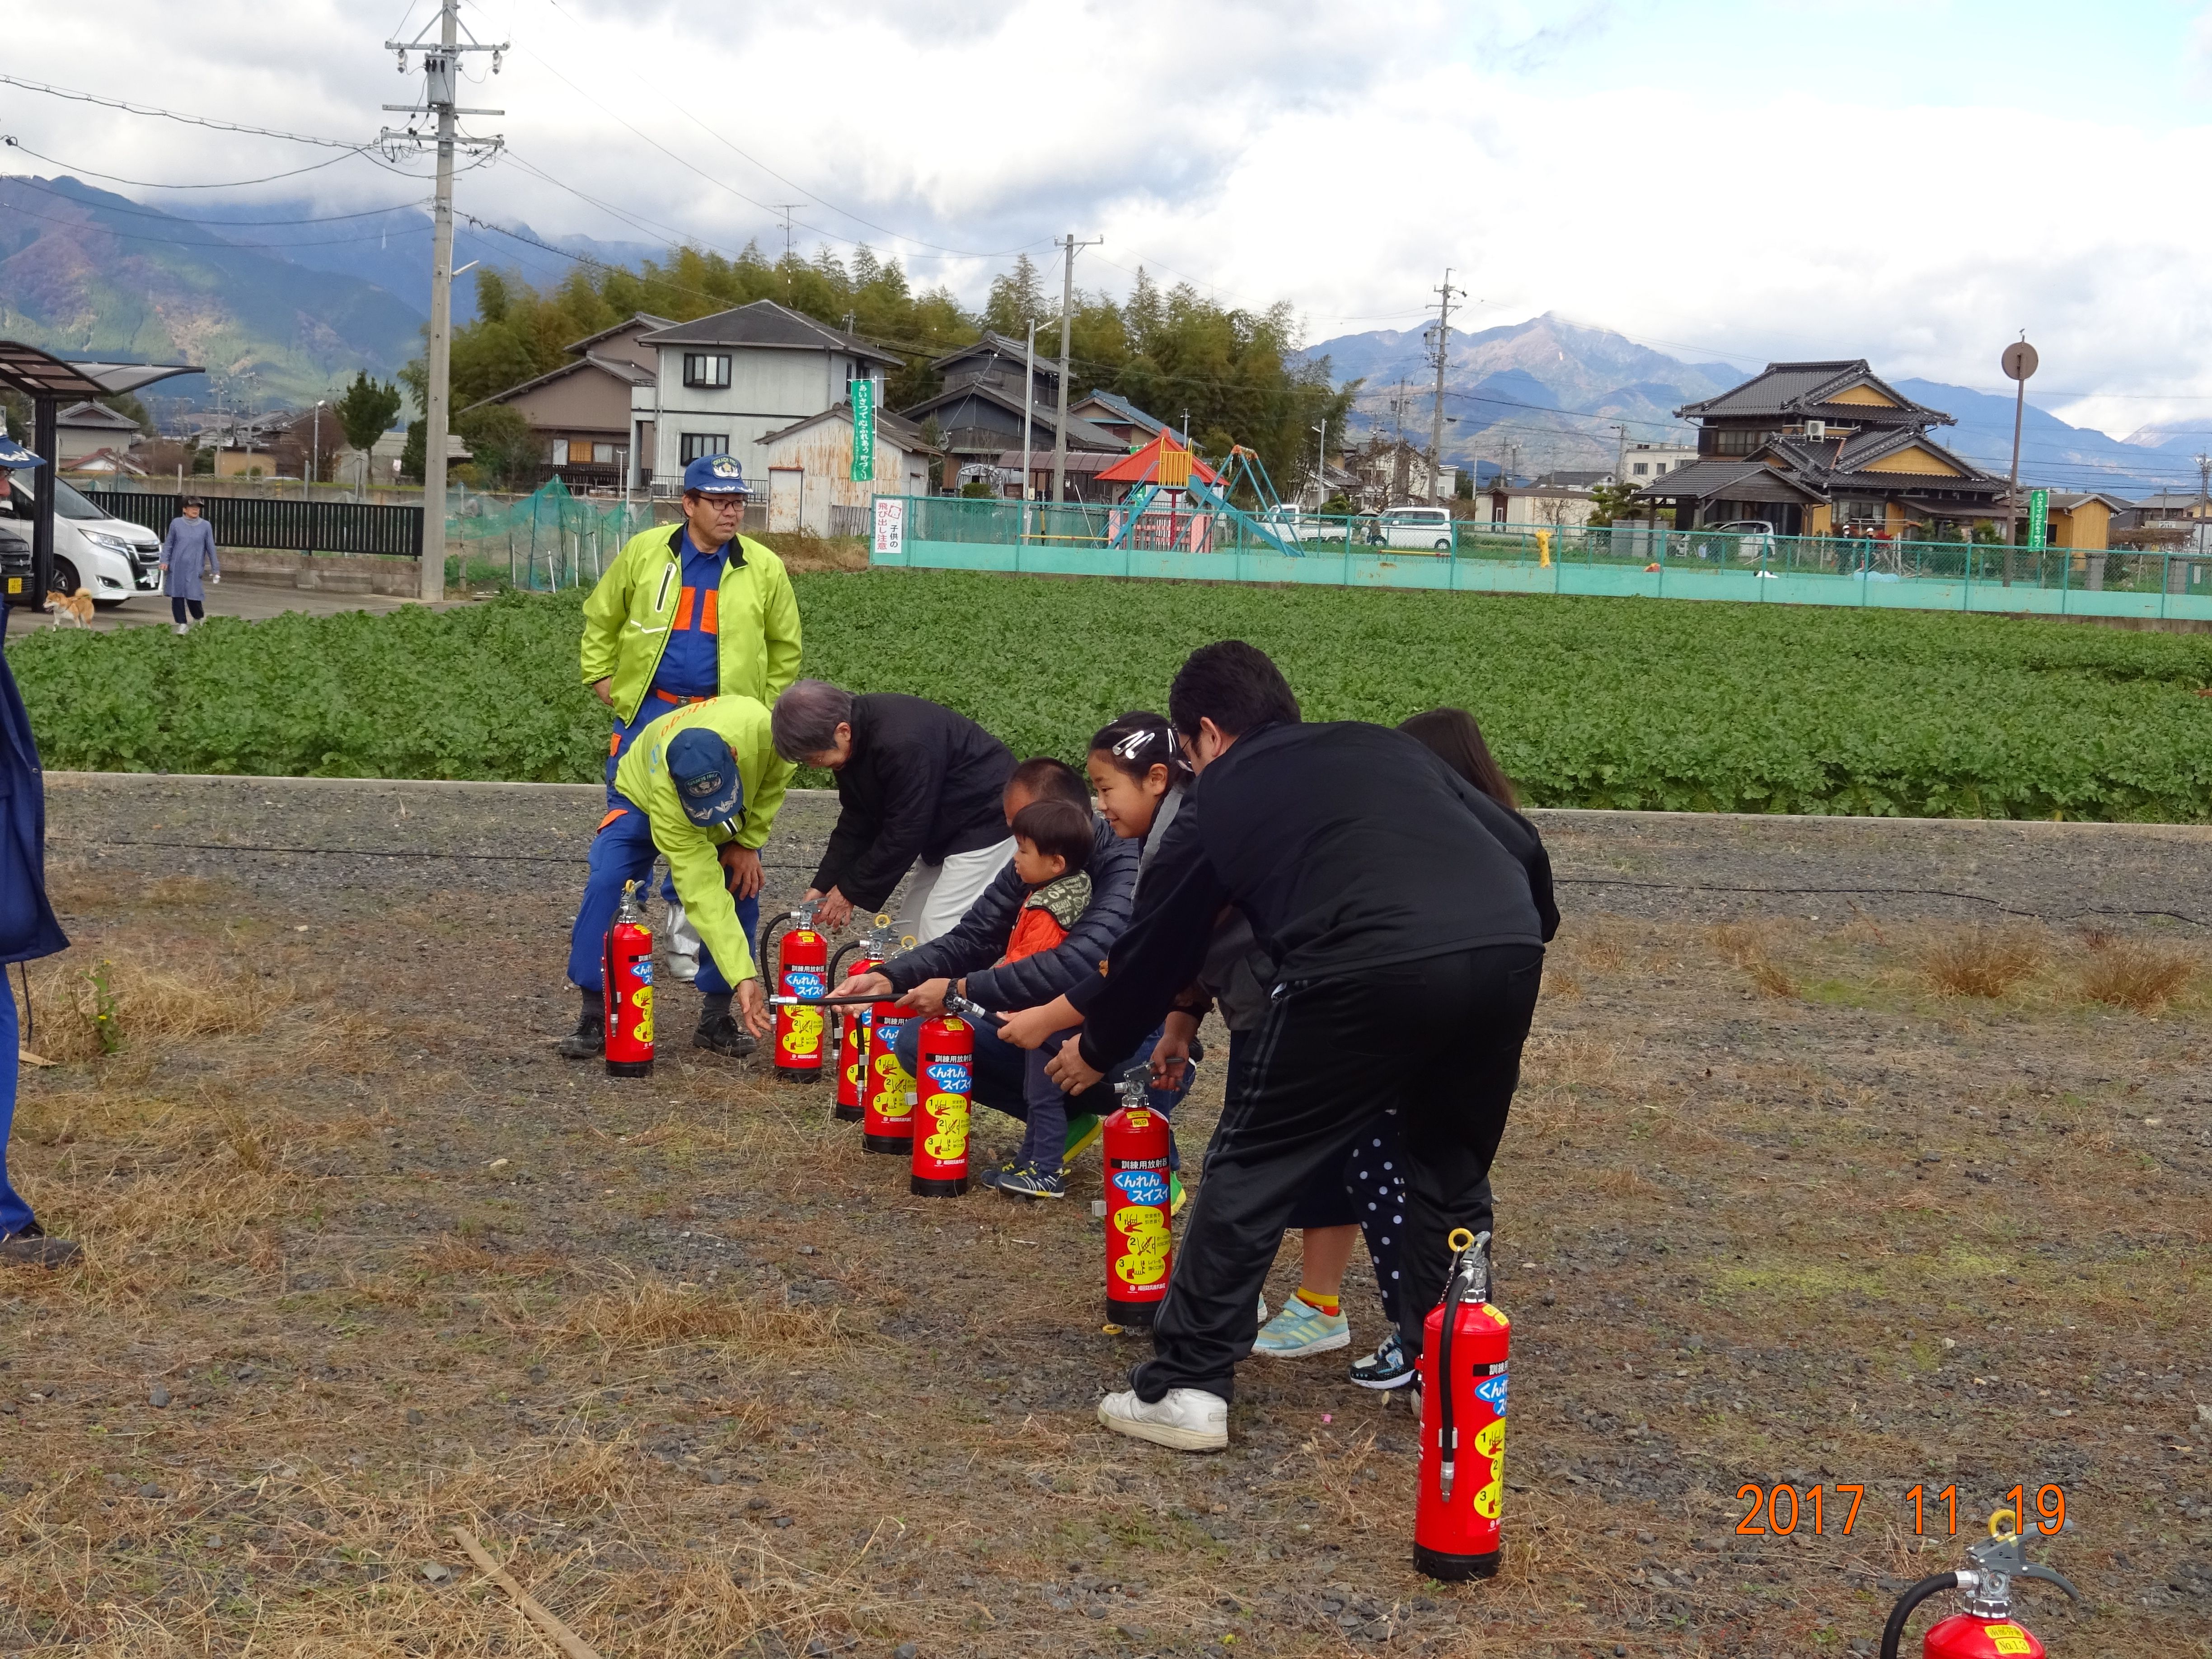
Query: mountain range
[[281, 306], [1546, 395]]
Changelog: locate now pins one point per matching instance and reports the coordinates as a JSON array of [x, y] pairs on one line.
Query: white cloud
[[1341, 159]]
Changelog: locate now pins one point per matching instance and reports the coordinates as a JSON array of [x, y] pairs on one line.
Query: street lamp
[[1320, 466]]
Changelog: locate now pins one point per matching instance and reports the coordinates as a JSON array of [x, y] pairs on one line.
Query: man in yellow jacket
[[699, 786], [690, 611]]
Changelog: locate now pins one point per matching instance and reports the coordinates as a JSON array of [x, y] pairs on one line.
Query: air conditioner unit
[[1816, 429]]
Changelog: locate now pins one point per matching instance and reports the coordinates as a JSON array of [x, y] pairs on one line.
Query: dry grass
[[1752, 949], [1979, 962], [85, 1004], [654, 1315], [2141, 977]]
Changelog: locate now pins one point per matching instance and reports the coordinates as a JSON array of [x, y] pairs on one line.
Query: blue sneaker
[[1300, 1329], [1389, 1367], [1032, 1182]]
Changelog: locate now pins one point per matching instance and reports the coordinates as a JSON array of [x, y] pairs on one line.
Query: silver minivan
[[1429, 527]]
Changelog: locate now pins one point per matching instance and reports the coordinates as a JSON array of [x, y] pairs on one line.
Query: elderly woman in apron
[[187, 554]]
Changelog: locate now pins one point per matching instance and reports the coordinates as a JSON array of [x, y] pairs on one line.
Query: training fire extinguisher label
[[1140, 1186], [803, 982], [642, 970], [1491, 1392], [948, 1077]]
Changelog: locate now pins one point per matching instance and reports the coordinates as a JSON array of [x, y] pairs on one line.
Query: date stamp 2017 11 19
[[1833, 1511]]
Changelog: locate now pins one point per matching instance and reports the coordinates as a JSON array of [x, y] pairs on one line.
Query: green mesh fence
[[547, 540]]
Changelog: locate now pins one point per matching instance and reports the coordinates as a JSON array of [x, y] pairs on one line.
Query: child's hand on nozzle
[[1169, 1056], [926, 999], [877, 986]]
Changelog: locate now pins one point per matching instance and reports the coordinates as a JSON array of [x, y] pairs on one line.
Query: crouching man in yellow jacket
[[701, 786]]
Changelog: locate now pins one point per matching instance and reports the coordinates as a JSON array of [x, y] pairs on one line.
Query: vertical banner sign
[[864, 431], [890, 529], [2038, 516]]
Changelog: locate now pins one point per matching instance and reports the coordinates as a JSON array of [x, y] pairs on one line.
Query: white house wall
[[768, 390]]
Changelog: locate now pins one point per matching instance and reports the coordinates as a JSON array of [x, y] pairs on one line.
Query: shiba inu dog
[[70, 610]]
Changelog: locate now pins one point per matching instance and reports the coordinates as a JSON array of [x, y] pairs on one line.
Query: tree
[[366, 410], [1609, 501], [506, 446], [1017, 300], [416, 451]]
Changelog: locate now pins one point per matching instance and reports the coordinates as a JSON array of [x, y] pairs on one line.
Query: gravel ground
[[366, 1261]]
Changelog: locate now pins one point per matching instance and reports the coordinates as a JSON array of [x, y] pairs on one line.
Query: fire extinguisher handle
[[1893, 1634], [2049, 1575]]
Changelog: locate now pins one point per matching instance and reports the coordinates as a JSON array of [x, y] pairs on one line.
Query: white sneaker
[[1184, 1420], [682, 943], [176, 628]]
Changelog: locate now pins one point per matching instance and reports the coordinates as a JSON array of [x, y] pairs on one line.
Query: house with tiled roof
[[1822, 448]]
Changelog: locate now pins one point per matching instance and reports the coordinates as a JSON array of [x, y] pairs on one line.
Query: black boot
[[589, 1040], [720, 1031]]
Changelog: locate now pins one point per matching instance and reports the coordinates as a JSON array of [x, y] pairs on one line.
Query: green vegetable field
[[1589, 703]]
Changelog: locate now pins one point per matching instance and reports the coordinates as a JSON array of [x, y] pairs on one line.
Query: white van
[[107, 556], [1416, 526]]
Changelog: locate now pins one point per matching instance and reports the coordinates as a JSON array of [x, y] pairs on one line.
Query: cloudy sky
[[1910, 181]]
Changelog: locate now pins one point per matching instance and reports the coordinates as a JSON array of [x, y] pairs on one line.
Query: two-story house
[[978, 411], [725, 381], [580, 410], [1822, 448]]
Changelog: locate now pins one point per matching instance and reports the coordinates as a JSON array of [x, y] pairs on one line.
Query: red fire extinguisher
[[1986, 1630], [887, 1093], [945, 1076], [626, 989], [1456, 1529], [802, 971], [1140, 1247], [852, 1032]]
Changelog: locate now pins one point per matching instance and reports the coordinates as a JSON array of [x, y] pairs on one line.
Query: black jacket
[[27, 927], [1348, 847], [979, 938], [922, 783]]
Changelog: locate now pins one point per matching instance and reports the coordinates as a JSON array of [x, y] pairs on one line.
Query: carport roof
[[37, 374]]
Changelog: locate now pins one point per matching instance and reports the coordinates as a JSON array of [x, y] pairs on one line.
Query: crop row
[[1589, 703]]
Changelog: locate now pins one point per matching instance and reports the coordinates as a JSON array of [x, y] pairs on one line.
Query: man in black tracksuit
[[1406, 912], [916, 781]]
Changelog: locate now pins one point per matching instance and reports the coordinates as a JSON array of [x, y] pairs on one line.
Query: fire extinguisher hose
[[1893, 1634], [1462, 1281]]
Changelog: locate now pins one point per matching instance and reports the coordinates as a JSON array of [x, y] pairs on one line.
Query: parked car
[[1754, 537], [108, 557], [1429, 527], [15, 563]]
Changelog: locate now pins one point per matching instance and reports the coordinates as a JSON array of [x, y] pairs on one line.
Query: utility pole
[[2018, 363], [1068, 244], [1620, 456], [1436, 414], [785, 209], [1321, 467], [441, 88]]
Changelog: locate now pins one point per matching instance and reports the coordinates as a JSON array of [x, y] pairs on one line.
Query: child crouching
[[1052, 845]]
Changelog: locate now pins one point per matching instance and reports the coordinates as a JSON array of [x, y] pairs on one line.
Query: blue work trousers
[[623, 851], [625, 733], [14, 1213]]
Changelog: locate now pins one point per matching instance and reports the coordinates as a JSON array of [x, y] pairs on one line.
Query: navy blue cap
[[716, 475], [705, 775]]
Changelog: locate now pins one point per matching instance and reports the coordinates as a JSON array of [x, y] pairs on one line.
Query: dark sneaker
[[31, 1248], [1388, 1367], [1030, 1181], [990, 1171], [588, 1040], [722, 1034]]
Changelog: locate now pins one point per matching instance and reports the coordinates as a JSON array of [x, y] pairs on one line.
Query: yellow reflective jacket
[[628, 616], [693, 854]]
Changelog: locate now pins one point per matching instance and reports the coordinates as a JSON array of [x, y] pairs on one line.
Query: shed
[[85, 428], [809, 465]]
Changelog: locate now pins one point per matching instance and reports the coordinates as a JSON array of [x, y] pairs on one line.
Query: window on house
[[692, 445], [558, 453], [603, 454], [1641, 470], [1738, 440], [707, 368]]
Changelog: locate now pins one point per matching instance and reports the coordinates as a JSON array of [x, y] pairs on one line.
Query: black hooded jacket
[[923, 783], [1348, 847], [979, 938]]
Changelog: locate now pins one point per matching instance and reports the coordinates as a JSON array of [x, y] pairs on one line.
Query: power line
[[173, 115], [138, 211], [13, 143]]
